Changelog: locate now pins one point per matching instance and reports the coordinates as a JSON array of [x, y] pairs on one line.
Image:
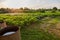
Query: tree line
[[27, 10]]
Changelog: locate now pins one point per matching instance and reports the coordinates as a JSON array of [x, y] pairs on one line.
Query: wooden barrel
[[14, 36]]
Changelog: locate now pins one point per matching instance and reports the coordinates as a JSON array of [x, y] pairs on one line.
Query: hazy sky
[[30, 3]]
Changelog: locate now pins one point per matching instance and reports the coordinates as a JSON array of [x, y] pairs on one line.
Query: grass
[[34, 32]]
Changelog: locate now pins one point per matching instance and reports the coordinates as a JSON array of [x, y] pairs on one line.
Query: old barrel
[[14, 36]]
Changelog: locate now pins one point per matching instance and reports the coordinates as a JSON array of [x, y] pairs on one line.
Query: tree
[[54, 9], [4, 10], [42, 10], [21, 8], [25, 8]]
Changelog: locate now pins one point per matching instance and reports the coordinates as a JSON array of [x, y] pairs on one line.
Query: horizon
[[34, 4]]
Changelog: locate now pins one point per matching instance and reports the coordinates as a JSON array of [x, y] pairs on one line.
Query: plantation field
[[35, 26]]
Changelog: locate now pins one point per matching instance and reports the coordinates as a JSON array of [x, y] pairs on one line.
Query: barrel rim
[[10, 35]]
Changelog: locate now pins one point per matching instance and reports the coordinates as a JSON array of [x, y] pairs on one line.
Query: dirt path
[[56, 30], [13, 13], [52, 28]]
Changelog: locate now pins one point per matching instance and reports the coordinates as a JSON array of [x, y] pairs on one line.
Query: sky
[[30, 3]]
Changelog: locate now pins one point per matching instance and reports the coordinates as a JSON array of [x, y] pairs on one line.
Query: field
[[35, 26]]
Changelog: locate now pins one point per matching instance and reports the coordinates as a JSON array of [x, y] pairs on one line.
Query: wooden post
[[3, 24]]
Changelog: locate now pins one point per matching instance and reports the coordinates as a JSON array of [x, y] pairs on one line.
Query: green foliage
[[42, 10], [26, 18]]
